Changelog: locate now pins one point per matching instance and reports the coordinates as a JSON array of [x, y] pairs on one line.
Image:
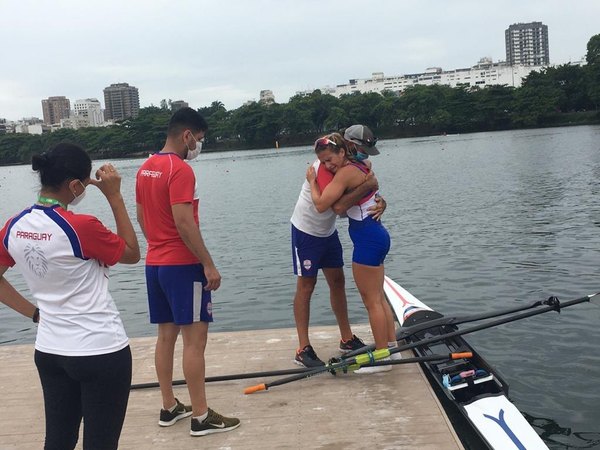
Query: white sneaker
[[396, 356], [375, 369]]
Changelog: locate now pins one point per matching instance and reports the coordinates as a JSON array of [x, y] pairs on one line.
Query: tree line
[[566, 94]]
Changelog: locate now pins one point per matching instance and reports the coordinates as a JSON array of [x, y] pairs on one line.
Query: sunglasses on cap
[[324, 142], [369, 142]]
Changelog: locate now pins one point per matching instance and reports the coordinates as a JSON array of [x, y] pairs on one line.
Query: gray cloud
[[202, 51]]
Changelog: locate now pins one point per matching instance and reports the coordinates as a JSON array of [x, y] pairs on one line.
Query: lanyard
[[51, 201]]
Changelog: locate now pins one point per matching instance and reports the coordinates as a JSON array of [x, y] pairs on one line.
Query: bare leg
[[337, 297], [194, 344], [304, 289], [389, 317], [369, 281], [163, 360]]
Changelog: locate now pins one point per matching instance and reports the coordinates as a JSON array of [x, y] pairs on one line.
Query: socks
[[173, 408], [202, 417]]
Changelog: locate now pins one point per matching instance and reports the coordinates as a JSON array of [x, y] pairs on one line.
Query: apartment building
[[527, 44], [121, 101]]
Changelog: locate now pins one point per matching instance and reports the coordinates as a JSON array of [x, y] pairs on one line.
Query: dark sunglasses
[[370, 142]]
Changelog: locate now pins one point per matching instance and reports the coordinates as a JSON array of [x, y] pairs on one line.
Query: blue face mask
[[361, 156]]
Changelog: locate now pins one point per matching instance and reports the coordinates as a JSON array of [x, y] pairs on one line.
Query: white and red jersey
[[64, 258], [305, 216], [360, 211], [165, 180]]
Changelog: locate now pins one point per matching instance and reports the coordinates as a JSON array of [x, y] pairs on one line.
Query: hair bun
[[39, 161]]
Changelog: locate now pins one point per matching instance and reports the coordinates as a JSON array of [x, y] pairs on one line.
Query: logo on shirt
[[36, 260], [307, 263], [150, 173]]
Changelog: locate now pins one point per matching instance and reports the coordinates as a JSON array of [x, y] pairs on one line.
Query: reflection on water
[[477, 221], [557, 437]]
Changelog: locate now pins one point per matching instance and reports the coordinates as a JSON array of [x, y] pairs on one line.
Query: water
[[478, 222]]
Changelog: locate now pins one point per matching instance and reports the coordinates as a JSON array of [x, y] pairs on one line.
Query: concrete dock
[[392, 410]]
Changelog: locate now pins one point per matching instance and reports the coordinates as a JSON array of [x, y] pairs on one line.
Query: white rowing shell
[[495, 417]]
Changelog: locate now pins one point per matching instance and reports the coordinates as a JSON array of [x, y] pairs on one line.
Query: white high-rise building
[[90, 110], [484, 73]]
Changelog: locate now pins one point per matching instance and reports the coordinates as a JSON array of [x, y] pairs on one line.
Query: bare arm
[[189, 231], [11, 298], [108, 181], [331, 194], [352, 197]]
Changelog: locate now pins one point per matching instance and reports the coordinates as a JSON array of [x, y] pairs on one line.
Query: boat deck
[[392, 410]]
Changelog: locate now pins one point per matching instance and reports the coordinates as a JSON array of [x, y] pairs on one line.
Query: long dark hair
[[64, 161]]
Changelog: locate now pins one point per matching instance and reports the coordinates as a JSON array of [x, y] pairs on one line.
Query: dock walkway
[[392, 410]]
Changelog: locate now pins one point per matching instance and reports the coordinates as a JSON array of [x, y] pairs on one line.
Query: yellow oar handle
[[366, 358]]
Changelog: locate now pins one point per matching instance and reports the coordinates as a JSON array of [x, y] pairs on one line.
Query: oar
[[415, 359], [360, 359], [343, 365], [237, 376], [330, 367], [406, 332]]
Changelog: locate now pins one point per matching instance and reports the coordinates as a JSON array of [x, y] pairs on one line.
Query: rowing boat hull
[[480, 400]]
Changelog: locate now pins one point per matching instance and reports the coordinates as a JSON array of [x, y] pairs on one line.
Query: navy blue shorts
[[371, 241], [176, 294], [311, 253]]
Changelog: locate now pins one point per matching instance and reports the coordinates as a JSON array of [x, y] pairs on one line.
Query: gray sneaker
[[168, 418], [214, 423]]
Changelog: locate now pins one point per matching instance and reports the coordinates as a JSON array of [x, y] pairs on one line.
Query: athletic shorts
[[311, 253], [176, 294], [371, 241]]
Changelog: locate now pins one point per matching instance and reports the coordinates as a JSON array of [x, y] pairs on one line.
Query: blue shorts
[[176, 294], [311, 253], [371, 241]]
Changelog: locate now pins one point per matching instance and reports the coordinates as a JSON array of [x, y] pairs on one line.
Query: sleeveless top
[[306, 218], [360, 211]]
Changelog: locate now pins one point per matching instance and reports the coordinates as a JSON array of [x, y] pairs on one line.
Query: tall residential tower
[[55, 109], [121, 101], [527, 44]]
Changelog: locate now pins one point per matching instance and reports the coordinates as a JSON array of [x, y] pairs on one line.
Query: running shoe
[[351, 344], [307, 357], [168, 418], [214, 423]]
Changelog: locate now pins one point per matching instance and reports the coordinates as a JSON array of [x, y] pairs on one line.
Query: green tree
[[593, 70]]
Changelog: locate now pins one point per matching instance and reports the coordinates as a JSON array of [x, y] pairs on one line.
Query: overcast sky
[[229, 50]]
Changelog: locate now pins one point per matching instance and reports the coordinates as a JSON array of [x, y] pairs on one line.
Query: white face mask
[[77, 198], [193, 153]]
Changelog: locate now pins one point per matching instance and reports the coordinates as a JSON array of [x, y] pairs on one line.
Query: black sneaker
[[214, 423], [168, 418], [351, 344], [307, 357]]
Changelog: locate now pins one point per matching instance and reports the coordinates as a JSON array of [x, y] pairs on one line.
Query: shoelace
[[215, 416]]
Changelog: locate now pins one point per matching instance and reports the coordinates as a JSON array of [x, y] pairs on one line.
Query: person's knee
[[167, 334], [337, 281], [195, 336], [306, 286]]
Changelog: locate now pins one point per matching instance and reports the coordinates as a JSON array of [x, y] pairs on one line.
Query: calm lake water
[[478, 222]]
